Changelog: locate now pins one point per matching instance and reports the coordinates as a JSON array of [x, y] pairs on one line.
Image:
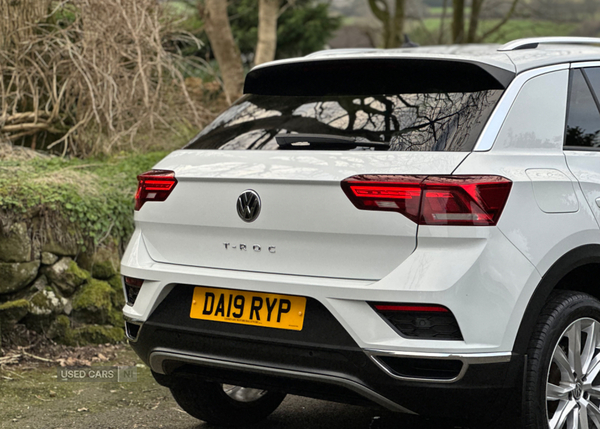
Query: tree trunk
[[398, 24], [441, 34], [218, 30], [458, 21], [474, 21], [393, 25], [268, 11], [18, 19], [381, 11]]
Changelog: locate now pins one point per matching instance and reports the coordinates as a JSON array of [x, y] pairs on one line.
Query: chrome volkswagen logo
[[248, 206]]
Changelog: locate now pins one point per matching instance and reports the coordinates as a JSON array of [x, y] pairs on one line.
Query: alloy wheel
[[573, 385]]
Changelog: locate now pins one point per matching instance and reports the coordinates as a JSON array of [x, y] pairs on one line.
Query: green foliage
[[427, 31], [302, 28], [521, 28], [305, 30], [185, 14], [93, 197]]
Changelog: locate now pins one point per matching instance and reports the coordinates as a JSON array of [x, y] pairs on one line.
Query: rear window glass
[[431, 121]]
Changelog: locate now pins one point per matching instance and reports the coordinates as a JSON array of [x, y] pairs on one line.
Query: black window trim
[[572, 70], [581, 148]]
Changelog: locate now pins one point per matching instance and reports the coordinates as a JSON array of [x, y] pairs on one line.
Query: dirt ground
[[32, 397]]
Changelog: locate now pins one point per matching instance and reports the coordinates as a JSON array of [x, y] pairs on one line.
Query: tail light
[[132, 289], [432, 200], [154, 185]]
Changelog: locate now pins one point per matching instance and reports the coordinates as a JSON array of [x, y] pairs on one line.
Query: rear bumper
[[469, 276], [323, 361]]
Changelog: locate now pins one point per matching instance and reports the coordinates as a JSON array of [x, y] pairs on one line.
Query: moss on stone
[[103, 270], [13, 311], [115, 317], [93, 302], [16, 245], [16, 276], [61, 332], [115, 283], [46, 302], [66, 275], [118, 299], [78, 275], [40, 300], [48, 258], [20, 303], [96, 334], [61, 241]]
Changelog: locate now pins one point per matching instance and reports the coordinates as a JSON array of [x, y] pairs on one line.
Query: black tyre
[[562, 383], [224, 404]]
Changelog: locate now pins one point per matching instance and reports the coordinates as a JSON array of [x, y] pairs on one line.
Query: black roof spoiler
[[371, 76]]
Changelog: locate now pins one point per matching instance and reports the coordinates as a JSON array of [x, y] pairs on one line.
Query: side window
[[583, 116], [593, 75]]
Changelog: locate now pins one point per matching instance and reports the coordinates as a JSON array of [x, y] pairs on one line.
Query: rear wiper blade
[[324, 142]]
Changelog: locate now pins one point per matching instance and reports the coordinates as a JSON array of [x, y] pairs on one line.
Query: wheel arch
[[567, 273]]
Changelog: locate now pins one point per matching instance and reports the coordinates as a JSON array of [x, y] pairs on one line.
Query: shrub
[[87, 76]]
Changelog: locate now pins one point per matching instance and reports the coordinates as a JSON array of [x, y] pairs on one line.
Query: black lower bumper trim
[[321, 361]]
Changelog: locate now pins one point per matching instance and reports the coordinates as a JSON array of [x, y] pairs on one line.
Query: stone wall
[[49, 285]]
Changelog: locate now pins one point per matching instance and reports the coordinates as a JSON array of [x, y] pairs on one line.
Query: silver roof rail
[[533, 42]]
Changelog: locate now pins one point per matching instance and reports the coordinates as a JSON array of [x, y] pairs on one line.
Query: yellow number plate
[[248, 308]]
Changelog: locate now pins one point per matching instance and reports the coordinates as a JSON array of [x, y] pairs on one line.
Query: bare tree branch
[[504, 20], [92, 82]]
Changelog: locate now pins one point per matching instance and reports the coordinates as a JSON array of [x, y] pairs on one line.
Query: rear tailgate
[[307, 225]]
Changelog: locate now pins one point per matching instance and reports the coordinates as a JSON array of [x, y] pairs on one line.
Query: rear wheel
[[563, 386], [225, 404]]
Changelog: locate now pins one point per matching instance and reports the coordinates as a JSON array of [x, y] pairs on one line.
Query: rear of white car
[[385, 242]]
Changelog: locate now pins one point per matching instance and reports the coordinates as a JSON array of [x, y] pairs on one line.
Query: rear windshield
[[432, 121]]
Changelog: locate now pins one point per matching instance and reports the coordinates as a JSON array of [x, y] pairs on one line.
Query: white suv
[[417, 228]]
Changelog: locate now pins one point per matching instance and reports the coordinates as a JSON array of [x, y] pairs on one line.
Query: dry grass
[[88, 75], [14, 153]]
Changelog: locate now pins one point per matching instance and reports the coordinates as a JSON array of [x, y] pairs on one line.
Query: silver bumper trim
[[134, 322], [159, 356], [466, 359]]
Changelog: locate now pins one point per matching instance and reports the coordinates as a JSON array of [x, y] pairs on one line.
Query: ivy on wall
[[91, 200]]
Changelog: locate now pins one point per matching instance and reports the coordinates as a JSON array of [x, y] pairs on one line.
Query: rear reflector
[[132, 289], [432, 200], [423, 321], [154, 185]]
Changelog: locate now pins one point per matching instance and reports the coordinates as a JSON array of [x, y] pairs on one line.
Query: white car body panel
[[584, 166], [296, 233], [312, 240], [488, 315]]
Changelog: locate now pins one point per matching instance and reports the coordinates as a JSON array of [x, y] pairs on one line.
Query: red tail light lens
[[432, 200], [154, 185]]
